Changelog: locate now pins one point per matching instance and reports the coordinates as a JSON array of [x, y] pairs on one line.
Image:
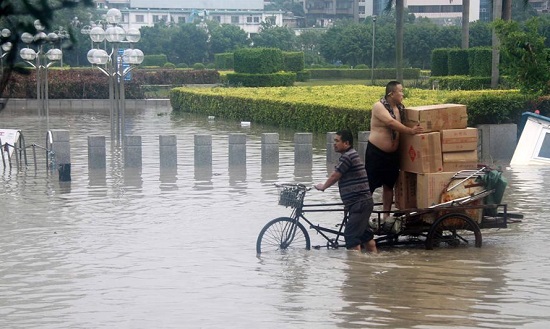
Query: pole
[[373, 39]]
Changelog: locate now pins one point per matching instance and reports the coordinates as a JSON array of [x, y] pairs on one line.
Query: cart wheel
[[453, 230], [282, 233]]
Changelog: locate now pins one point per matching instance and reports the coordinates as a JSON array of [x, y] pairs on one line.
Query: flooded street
[[152, 249]]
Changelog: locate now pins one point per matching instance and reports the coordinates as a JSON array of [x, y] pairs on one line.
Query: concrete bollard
[[332, 156], [237, 149], [61, 146], [303, 148], [498, 141], [362, 141], [96, 152], [270, 149], [203, 150], [168, 151], [132, 152]]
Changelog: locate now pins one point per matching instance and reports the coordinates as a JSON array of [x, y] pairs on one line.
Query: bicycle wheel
[[453, 230], [282, 233]]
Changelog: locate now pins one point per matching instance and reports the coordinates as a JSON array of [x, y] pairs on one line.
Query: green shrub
[[440, 60], [182, 66], [169, 65], [458, 62], [261, 80], [258, 60], [154, 60], [361, 66], [223, 61], [293, 61], [480, 59], [303, 76], [199, 66]]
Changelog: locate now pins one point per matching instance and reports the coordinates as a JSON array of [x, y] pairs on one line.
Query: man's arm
[[382, 114], [331, 180]]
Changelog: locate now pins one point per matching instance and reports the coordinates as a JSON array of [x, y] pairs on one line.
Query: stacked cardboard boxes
[[429, 160]]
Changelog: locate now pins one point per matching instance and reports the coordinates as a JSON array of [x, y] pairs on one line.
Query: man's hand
[[417, 129], [319, 187]]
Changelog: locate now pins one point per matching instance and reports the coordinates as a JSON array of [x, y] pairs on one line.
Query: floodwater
[[152, 249]]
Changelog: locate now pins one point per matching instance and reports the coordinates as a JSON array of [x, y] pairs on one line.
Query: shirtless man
[[381, 157]]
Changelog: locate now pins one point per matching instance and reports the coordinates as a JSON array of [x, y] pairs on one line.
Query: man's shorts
[[382, 167]]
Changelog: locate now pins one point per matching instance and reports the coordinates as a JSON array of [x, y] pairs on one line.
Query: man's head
[[343, 141], [394, 92]]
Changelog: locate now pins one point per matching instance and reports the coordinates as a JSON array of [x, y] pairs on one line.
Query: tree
[[271, 36], [399, 31], [227, 38], [528, 59], [18, 16]]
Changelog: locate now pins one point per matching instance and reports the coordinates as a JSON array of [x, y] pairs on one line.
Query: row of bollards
[[303, 150]]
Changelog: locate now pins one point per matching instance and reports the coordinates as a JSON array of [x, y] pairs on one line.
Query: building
[[443, 12], [248, 15]]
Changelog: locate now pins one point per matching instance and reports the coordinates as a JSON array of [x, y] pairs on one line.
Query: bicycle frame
[[325, 232]]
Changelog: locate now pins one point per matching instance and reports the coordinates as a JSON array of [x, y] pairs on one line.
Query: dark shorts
[[382, 167], [357, 230]]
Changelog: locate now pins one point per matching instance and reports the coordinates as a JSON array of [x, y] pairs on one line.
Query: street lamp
[[6, 47], [372, 60], [41, 64], [117, 64]]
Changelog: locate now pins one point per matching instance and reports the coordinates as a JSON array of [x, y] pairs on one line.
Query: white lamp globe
[[97, 34], [126, 55], [27, 54], [53, 37], [137, 57], [6, 33], [113, 16], [90, 56], [115, 34], [100, 57], [27, 38], [38, 25], [7, 46], [133, 35], [54, 54], [40, 36]]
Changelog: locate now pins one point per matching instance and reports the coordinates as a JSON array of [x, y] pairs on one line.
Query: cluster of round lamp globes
[[114, 34]]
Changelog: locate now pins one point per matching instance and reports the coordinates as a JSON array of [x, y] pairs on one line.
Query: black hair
[[391, 86], [346, 136]]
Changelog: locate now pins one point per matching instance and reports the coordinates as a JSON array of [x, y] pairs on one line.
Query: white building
[[247, 14]]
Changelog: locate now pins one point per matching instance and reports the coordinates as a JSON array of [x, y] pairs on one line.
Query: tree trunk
[[399, 15], [506, 10], [497, 11], [465, 24]]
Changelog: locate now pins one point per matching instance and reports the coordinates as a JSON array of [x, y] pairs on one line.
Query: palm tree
[[399, 28]]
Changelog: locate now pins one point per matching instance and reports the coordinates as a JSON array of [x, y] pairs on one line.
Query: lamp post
[[41, 64], [116, 64], [373, 38], [6, 47]]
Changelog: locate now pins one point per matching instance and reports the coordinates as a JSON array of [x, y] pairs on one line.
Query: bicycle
[[284, 233]]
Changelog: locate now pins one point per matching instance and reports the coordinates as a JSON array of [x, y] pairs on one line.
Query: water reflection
[[175, 247]]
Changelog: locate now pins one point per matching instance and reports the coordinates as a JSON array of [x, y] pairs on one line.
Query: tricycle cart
[[469, 203]]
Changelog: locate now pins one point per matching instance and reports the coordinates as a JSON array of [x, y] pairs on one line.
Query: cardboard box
[[421, 153], [458, 166], [405, 190], [429, 187], [420, 190], [454, 140], [465, 156], [437, 117]]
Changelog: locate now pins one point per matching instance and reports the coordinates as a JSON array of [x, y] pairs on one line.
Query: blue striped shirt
[[354, 183]]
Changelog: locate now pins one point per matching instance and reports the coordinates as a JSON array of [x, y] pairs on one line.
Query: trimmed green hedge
[[379, 74], [305, 117], [261, 80], [258, 60], [293, 61], [224, 61]]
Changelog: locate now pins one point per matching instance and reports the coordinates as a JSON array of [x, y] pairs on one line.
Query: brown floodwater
[[157, 249]]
